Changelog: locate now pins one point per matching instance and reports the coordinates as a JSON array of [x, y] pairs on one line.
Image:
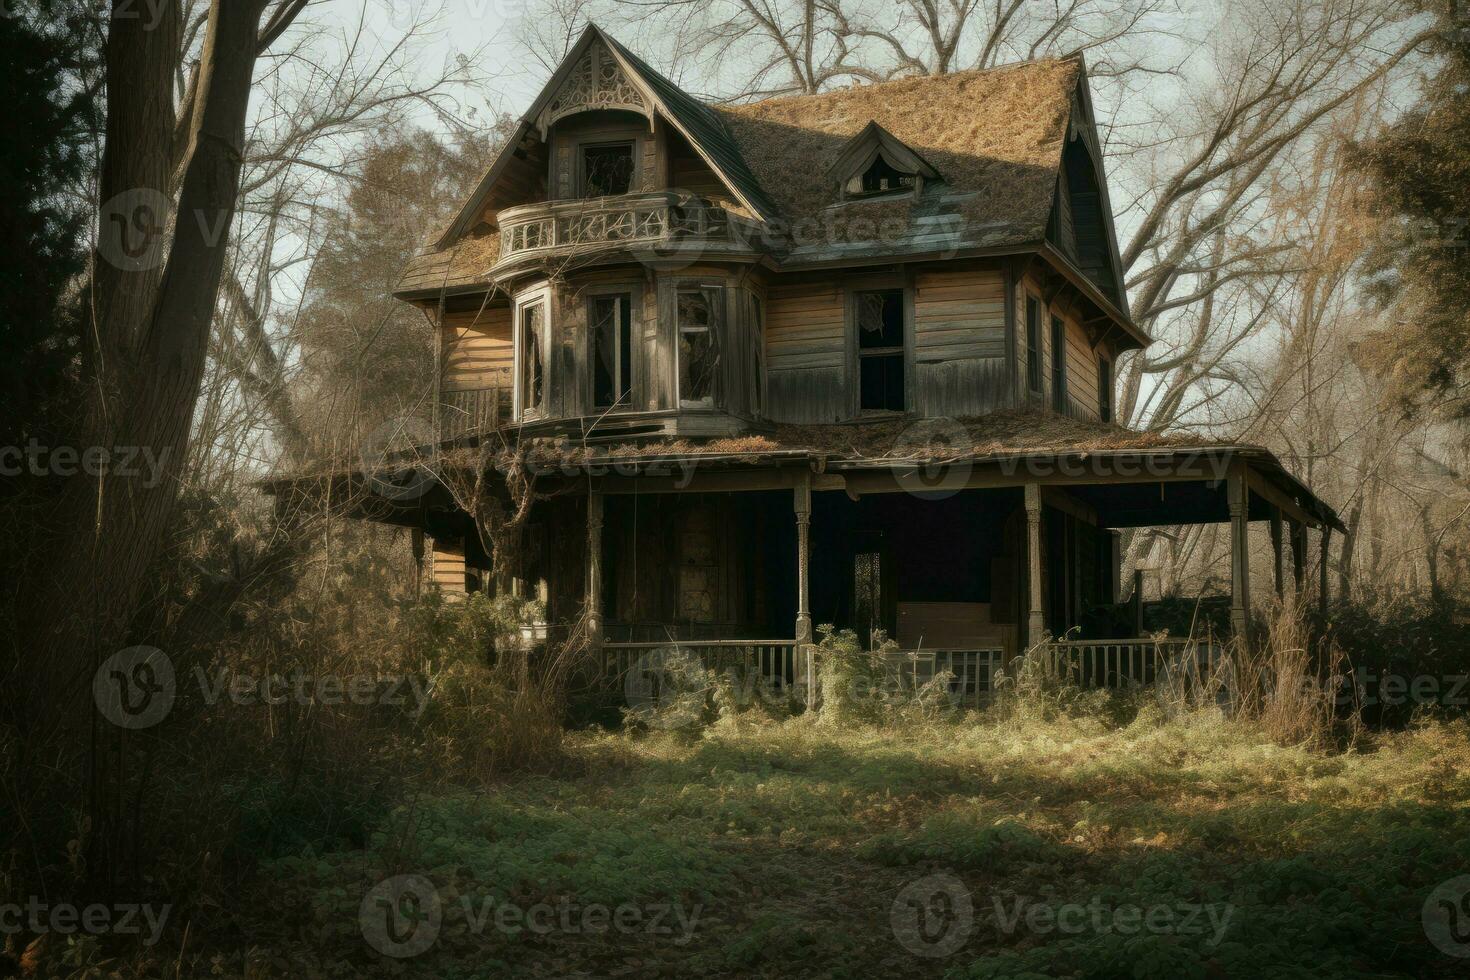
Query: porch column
[[1240, 567], [1299, 558], [1036, 624], [1278, 566], [802, 504], [1322, 585], [594, 567]]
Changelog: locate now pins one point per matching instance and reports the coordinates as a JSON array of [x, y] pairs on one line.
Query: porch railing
[[1124, 662], [775, 662], [972, 671], [472, 410]]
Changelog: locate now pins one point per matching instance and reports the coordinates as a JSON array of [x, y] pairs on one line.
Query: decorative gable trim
[[604, 75], [597, 81]]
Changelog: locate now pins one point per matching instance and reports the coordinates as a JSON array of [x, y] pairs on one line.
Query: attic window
[[875, 163], [881, 178], [607, 168]]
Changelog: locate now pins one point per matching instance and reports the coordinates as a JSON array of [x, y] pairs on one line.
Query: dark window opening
[[612, 350], [880, 342], [882, 178], [697, 358], [607, 169], [1105, 390], [1033, 343], [1058, 364], [533, 369]]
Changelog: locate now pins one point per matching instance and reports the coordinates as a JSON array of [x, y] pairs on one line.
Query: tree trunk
[[147, 347]]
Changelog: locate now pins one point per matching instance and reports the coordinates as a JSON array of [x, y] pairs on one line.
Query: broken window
[[607, 168], [1058, 364], [533, 365], [880, 342], [881, 178], [612, 350], [697, 358]]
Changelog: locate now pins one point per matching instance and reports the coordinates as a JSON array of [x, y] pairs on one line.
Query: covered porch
[[963, 566]]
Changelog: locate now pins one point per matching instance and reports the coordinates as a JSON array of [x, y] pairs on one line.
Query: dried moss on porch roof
[[992, 435]]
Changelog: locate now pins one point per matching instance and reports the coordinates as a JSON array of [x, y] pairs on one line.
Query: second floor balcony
[[648, 225]]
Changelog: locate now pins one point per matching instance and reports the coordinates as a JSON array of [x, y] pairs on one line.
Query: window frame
[[631, 291], [539, 296], [597, 143], [1031, 312], [1058, 364], [714, 293], [855, 354]]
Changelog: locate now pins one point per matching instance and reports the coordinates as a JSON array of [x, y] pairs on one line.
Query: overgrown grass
[[792, 840]]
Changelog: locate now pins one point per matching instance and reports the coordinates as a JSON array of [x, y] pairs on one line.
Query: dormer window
[[881, 178], [874, 163], [607, 169]]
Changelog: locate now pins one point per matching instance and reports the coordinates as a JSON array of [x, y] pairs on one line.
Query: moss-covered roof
[[994, 136]]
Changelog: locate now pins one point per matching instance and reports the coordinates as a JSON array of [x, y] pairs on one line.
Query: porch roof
[[1001, 448]]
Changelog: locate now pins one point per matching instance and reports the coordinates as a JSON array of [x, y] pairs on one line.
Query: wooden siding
[[448, 566], [806, 353], [959, 342], [1081, 371], [477, 351]]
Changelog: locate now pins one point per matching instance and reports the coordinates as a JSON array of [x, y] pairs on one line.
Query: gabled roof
[[858, 154], [993, 137], [697, 122]]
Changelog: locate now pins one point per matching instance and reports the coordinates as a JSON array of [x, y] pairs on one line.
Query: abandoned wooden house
[[843, 358]]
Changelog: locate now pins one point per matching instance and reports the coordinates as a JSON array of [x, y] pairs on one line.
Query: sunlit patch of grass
[[1323, 857]]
